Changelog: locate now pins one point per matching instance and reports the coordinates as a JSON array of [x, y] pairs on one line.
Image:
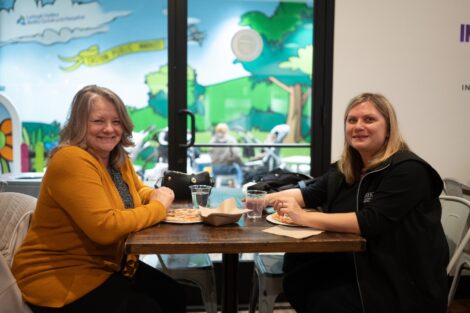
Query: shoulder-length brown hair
[[350, 163], [75, 129]]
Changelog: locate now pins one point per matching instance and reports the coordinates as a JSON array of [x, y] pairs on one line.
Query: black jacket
[[404, 266]]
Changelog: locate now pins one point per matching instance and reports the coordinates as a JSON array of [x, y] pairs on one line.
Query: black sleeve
[[314, 194], [401, 190]]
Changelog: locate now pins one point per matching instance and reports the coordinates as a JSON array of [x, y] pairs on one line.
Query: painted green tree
[[157, 83], [286, 58]]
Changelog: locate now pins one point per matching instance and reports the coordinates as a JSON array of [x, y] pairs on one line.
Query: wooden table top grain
[[242, 237], [245, 236]]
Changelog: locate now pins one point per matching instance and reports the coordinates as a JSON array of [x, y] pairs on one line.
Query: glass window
[[50, 50], [249, 66], [250, 75]]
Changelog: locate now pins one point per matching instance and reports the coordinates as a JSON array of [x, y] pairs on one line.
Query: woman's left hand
[[163, 194]]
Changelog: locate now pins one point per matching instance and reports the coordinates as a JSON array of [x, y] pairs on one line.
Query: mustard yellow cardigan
[[78, 229]]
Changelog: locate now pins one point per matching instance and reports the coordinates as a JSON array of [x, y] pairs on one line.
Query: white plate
[[270, 219], [182, 222]]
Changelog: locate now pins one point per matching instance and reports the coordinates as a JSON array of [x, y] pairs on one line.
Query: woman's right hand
[[288, 205], [163, 194], [295, 193]]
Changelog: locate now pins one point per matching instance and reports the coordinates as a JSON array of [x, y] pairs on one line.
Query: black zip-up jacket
[[403, 269]]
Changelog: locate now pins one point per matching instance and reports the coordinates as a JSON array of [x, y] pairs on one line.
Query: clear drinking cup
[[200, 195], [256, 202]]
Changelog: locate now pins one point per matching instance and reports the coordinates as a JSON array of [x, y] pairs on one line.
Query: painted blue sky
[[32, 37]]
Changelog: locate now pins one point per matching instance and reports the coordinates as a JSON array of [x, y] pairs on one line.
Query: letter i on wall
[[464, 32]]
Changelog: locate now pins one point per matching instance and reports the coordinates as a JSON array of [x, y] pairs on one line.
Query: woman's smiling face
[[104, 129], [366, 130]]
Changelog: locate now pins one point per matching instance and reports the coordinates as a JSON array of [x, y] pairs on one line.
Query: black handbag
[[279, 179], [179, 182]]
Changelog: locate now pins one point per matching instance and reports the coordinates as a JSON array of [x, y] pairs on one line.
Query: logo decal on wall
[[55, 21], [464, 32]]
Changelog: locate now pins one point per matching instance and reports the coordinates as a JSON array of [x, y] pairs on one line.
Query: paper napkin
[[294, 232]]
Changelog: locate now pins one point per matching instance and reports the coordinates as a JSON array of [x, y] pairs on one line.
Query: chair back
[[454, 219], [453, 187], [15, 216], [11, 300], [460, 258]]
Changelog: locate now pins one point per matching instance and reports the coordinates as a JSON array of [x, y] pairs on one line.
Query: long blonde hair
[[350, 163], [75, 129]]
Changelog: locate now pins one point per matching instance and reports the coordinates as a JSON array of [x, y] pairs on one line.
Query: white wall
[[410, 51]]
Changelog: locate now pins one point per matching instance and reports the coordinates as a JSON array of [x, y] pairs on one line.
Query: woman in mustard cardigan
[[72, 259]]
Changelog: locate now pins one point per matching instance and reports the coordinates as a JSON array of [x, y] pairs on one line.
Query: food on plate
[[282, 218], [184, 216]]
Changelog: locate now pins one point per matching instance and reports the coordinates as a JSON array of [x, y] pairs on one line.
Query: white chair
[[459, 209], [267, 282], [191, 269], [455, 219], [453, 187], [11, 300], [15, 215]]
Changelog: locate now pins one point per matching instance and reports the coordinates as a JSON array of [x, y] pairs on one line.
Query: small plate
[[270, 219], [191, 212], [182, 222]]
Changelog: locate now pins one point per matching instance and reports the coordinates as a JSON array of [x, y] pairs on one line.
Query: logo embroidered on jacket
[[368, 197]]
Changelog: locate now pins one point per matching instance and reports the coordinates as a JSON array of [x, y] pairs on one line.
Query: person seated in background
[[226, 160], [72, 259], [390, 196]]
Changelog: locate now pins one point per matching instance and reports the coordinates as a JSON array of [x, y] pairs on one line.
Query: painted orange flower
[[6, 140]]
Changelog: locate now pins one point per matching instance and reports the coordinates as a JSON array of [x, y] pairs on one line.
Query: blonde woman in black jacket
[[389, 195]]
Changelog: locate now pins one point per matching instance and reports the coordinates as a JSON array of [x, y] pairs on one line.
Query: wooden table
[[230, 240]]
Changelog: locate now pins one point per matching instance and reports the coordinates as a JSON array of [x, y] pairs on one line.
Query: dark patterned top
[[129, 262], [121, 187]]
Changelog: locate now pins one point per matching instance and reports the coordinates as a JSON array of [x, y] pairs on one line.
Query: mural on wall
[[6, 140], [93, 57], [50, 49]]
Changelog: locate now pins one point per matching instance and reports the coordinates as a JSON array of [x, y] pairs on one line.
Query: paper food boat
[[226, 213]]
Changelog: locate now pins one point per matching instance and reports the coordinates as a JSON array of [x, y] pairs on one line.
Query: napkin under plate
[[294, 232]]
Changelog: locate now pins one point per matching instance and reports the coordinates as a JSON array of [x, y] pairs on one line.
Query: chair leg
[[210, 300], [266, 304], [209, 294], [455, 283], [206, 283], [254, 293], [269, 289]]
